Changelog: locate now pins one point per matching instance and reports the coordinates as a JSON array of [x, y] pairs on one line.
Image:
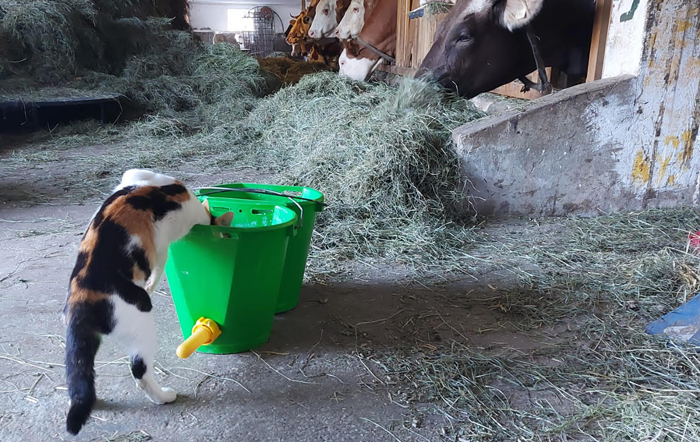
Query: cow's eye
[[306, 19], [355, 10], [325, 12], [463, 37]]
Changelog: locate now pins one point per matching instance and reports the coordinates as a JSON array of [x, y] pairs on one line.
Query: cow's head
[[481, 45], [325, 21], [354, 66], [298, 28], [353, 20]]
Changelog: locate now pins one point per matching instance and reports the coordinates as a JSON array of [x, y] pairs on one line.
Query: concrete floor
[[338, 400], [319, 378]]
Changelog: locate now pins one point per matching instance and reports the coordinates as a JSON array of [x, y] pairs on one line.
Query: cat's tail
[[82, 342]]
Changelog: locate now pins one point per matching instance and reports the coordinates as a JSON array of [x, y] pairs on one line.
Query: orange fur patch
[[79, 295]]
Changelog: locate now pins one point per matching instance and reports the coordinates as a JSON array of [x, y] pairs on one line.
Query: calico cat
[[120, 261]]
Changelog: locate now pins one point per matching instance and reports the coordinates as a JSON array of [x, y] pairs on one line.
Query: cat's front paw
[[167, 395], [161, 396]]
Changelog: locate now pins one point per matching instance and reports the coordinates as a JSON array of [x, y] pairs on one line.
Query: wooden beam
[[601, 23]]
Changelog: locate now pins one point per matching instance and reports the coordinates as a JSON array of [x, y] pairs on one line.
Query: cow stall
[[417, 24]]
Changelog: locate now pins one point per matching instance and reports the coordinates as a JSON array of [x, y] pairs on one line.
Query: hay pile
[[53, 41], [383, 158], [133, 48]]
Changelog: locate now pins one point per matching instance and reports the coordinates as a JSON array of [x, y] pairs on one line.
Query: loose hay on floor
[[590, 288]]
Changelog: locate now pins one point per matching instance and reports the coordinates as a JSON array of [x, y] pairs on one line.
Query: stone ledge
[[553, 158]]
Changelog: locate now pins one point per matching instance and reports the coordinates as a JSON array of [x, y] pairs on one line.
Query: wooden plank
[[601, 23], [512, 89], [413, 33], [427, 27], [397, 70]]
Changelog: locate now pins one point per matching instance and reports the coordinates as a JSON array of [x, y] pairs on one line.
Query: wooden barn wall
[[414, 37]]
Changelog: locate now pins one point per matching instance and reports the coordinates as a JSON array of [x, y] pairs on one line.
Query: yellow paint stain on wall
[[684, 25], [671, 180], [662, 169], [672, 140], [687, 136], [640, 168], [687, 153]]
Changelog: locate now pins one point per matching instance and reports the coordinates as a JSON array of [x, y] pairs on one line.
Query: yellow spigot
[[204, 332]]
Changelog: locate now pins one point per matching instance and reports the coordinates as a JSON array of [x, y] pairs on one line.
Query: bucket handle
[[264, 192]]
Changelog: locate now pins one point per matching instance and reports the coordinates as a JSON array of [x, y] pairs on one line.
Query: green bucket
[[306, 207], [231, 274]]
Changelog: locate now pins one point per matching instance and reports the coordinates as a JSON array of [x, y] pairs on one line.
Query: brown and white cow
[[328, 15], [360, 57], [351, 24], [483, 44]]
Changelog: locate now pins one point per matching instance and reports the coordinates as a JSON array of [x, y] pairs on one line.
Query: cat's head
[[223, 220]]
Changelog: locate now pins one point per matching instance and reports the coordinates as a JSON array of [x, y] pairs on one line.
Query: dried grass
[[604, 280]]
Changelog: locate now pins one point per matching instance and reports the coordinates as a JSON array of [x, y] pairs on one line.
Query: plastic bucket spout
[[298, 250], [232, 275]]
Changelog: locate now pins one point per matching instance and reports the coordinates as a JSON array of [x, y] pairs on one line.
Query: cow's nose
[[337, 33], [311, 34]]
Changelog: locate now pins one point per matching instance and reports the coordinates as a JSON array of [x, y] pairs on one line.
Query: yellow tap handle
[[204, 332]]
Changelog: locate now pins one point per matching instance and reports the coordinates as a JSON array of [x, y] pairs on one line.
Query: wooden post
[[403, 47], [303, 5], [601, 23]]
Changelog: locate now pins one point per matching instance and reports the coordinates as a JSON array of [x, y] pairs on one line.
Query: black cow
[[483, 44]]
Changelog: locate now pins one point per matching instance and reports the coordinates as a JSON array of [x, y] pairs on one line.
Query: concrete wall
[[213, 13], [621, 143]]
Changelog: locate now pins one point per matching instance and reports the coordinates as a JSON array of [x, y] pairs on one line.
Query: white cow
[[352, 22], [325, 21]]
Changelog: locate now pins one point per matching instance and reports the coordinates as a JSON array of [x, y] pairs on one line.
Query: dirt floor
[[322, 376]]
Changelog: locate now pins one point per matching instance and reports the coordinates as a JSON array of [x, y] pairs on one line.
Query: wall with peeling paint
[[667, 104], [622, 143]]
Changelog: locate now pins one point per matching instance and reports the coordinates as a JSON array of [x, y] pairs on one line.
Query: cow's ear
[[518, 13]]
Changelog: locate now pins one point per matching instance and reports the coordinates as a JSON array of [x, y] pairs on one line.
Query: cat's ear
[[224, 220]]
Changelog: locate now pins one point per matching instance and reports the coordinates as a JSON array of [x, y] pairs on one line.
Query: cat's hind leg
[[136, 332]]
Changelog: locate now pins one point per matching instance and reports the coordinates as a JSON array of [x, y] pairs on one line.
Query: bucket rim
[[316, 198]]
